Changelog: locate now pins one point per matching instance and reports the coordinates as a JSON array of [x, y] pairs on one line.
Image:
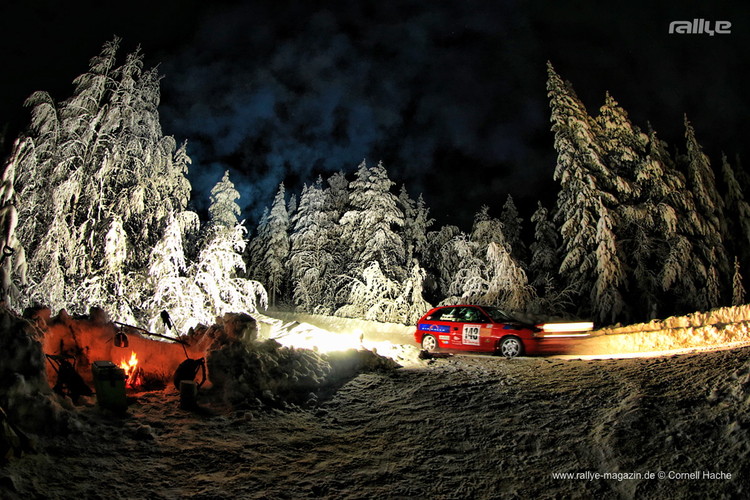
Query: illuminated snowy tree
[[579, 190], [468, 283], [371, 295], [197, 292], [12, 255], [216, 276], [440, 258], [710, 213], [338, 192], [590, 187], [607, 302], [416, 223], [371, 225], [277, 245], [100, 176], [256, 250], [172, 290], [224, 210], [310, 257]]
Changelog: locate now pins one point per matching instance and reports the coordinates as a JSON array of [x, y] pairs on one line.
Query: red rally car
[[487, 329]]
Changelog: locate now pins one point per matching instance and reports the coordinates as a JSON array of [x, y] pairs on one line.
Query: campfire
[[133, 372]]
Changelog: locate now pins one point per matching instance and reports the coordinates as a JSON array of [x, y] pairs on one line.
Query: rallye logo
[[434, 328]]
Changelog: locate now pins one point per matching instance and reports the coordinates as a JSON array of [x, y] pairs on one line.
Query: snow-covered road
[[461, 427]]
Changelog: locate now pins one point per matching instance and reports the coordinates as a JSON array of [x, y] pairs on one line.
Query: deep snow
[[465, 426]]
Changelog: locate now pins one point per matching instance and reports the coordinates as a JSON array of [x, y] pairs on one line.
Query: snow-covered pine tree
[[172, 289], [607, 303], [277, 251], [420, 226], [622, 148], [507, 285], [469, 283], [310, 257], [543, 266], [738, 210], [256, 250], [544, 260], [639, 230], [338, 193], [99, 166], [710, 211], [440, 260], [216, 276], [512, 227], [738, 290], [371, 296], [487, 273], [223, 210], [486, 229], [586, 185], [681, 271], [291, 206], [372, 224], [416, 223], [410, 305]]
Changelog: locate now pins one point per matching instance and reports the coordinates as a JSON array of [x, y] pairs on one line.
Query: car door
[[474, 330]]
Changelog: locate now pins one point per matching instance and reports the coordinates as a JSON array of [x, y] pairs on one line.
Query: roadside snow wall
[[254, 373], [720, 326]]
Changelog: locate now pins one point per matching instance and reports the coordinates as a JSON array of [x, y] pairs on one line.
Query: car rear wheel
[[510, 347], [429, 343]]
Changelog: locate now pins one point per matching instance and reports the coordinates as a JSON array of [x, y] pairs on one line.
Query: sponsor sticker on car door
[[471, 334]]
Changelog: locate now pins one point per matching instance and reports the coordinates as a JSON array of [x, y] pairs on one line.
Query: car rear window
[[445, 314]]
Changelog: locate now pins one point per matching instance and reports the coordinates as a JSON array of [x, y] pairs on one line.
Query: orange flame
[[132, 370]]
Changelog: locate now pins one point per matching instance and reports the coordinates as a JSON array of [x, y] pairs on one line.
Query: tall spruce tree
[[588, 187], [311, 257], [277, 249], [373, 223], [223, 210], [711, 223], [512, 228], [738, 211]]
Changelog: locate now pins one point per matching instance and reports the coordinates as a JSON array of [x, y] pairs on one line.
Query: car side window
[[471, 315], [446, 314]]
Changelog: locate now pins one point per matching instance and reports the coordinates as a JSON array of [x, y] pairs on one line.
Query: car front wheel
[[510, 347], [429, 343]]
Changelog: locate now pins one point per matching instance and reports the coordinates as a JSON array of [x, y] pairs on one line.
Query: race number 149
[[471, 335]]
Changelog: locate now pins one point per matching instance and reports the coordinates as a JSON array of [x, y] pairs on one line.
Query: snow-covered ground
[[463, 427], [459, 427]]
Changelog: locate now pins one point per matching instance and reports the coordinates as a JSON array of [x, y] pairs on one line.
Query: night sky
[[450, 95]]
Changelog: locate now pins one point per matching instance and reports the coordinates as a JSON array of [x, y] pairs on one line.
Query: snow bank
[[726, 325], [331, 333], [25, 392], [252, 372], [260, 373]]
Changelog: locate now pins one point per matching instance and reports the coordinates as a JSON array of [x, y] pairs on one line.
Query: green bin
[[109, 384]]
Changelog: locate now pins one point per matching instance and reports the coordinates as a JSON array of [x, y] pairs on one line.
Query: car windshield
[[499, 316]]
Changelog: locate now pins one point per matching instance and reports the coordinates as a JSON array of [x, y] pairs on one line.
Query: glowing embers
[[133, 372]]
